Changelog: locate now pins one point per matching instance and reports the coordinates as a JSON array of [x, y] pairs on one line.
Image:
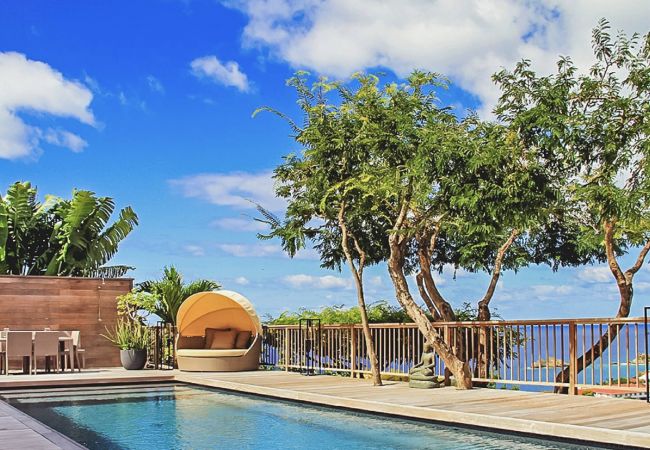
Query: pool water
[[186, 417]]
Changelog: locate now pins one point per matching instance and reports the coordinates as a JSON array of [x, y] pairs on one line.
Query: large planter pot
[[133, 359]]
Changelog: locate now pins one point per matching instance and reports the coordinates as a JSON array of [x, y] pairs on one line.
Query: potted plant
[[132, 338]]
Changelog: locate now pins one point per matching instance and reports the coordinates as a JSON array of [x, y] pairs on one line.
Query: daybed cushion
[[243, 337], [223, 340], [191, 342], [209, 334], [203, 353]]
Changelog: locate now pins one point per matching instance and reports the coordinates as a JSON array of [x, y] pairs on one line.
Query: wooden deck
[[603, 420]]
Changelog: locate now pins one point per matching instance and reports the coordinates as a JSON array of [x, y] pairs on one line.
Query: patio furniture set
[[57, 348]]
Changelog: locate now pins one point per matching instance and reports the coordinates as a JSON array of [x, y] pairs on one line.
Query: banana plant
[[60, 237], [83, 240], [25, 230]]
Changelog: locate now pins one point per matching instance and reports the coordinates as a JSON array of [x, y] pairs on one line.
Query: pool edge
[[51, 435], [575, 434]]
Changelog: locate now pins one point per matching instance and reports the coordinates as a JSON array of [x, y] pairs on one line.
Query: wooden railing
[[521, 352]]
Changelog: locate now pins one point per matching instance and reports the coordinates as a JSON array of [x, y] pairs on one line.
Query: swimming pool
[[176, 416]]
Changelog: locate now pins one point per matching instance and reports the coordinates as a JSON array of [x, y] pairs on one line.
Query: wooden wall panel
[[63, 303]]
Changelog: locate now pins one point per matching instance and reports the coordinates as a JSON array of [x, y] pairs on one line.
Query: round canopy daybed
[[218, 331]]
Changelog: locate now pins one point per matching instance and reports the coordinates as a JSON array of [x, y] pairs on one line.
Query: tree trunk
[[459, 368], [367, 335], [357, 274], [483, 356], [426, 246], [624, 282]]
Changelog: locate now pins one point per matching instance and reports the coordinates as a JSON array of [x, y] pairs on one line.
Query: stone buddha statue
[[422, 375]]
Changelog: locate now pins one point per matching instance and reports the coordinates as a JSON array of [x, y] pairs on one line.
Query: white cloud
[[33, 87], [155, 85], [303, 281], [600, 274], [548, 290], [227, 73], [242, 281], [234, 189], [239, 224], [66, 139], [251, 250], [467, 40], [437, 278], [376, 281], [194, 250], [307, 253], [641, 286]]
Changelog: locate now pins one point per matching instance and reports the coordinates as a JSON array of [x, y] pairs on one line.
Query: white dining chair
[[46, 344], [18, 344], [79, 353]]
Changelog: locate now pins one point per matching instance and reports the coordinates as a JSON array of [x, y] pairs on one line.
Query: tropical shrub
[[129, 335], [378, 312], [136, 306], [170, 292]]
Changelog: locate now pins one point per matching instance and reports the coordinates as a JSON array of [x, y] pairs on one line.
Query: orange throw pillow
[[242, 339], [223, 339], [209, 333]]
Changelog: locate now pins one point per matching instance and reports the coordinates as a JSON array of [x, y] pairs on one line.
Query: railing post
[[353, 351], [287, 346], [482, 356], [573, 361], [447, 339]]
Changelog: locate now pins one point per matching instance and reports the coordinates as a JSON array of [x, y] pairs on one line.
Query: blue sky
[[151, 103]]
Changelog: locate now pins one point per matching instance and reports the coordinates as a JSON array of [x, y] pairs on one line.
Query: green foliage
[[171, 291], [128, 335], [60, 237], [594, 126], [137, 305], [379, 312], [317, 185], [376, 150]]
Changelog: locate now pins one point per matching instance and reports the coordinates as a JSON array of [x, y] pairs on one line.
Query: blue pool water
[[184, 417]]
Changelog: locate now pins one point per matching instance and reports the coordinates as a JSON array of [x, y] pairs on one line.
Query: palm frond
[[117, 271]]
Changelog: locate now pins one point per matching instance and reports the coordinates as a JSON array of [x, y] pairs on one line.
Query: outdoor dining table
[[63, 340]]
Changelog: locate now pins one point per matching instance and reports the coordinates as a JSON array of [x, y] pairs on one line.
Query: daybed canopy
[[217, 309], [222, 313]]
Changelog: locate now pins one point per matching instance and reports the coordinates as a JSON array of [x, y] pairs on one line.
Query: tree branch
[[639, 261], [608, 227], [425, 296], [426, 245], [362, 255], [496, 272]]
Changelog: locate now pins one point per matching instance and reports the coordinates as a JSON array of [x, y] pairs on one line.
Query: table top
[[61, 338]]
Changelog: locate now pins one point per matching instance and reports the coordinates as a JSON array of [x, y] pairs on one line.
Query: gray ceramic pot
[[133, 359]]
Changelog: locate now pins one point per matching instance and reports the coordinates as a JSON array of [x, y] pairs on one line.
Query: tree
[[171, 291], [60, 237], [360, 170], [323, 207], [594, 125], [448, 191]]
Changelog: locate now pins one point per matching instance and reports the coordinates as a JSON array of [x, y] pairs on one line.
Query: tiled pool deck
[[616, 422]]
